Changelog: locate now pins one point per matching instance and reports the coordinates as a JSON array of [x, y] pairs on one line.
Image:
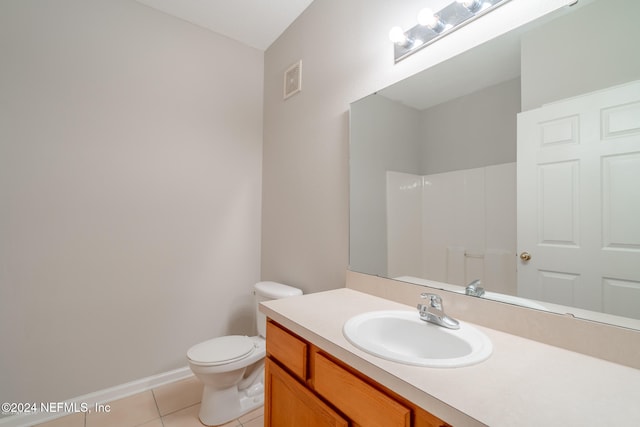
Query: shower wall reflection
[[454, 144], [454, 227]]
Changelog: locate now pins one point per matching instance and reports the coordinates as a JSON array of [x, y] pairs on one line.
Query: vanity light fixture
[[435, 25]]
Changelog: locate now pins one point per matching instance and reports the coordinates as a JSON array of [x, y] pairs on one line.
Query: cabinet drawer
[[287, 349], [358, 400]]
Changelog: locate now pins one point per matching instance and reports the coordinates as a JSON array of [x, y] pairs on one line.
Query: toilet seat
[[221, 350]]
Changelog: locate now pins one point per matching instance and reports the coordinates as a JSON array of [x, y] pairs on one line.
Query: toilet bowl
[[232, 367]]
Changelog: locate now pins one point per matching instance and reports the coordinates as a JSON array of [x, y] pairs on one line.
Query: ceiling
[[256, 23]]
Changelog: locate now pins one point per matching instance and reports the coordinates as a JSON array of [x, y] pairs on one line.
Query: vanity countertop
[[523, 383]]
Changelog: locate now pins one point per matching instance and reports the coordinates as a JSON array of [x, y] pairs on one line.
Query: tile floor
[[171, 405]]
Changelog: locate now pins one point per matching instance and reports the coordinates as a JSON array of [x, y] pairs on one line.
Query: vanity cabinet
[[307, 386]]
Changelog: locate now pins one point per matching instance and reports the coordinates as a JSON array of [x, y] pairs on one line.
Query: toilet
[[232, 367]]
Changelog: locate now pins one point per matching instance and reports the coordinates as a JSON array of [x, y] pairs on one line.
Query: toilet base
[[221, 406]]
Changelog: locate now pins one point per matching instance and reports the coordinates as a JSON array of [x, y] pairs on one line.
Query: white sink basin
[[400, 336]]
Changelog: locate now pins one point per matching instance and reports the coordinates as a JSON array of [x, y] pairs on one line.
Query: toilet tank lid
[[276, 290]]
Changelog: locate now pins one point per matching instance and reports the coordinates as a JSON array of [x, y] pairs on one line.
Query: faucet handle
[[434, 313], [474, 289], [435, 300]]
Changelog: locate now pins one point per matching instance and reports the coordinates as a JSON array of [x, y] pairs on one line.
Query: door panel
[[579, 201]]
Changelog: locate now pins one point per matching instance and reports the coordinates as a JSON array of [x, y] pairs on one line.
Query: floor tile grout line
[[178, 410], [155, 401]]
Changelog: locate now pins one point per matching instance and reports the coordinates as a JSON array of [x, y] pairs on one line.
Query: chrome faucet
[[474, 289], [433, 312]]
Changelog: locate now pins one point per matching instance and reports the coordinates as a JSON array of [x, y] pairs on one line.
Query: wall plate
[[293, 79]]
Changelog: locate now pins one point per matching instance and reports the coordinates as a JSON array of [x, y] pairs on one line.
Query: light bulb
[[472, 5], [397, 36], [427, 18]]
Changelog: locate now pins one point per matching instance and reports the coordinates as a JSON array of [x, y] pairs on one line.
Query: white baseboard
[[99, 397]]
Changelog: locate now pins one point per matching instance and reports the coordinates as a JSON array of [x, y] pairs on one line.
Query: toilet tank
[[265, 291]]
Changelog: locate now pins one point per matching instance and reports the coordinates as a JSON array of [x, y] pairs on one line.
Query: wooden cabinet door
[[289, 404]]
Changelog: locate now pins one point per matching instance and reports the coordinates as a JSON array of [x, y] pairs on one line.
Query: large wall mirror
[[516, 163]]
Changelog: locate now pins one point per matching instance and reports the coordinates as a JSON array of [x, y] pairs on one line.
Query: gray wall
[[473, 131], [384, 136], [594, 48], [130, 177]]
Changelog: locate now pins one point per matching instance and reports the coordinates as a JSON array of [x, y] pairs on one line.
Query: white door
[[578, 168]]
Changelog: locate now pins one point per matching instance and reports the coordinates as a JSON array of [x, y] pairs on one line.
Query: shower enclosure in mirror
[[516, 163]]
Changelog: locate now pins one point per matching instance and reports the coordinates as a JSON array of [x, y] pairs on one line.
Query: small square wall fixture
[[293, 80]]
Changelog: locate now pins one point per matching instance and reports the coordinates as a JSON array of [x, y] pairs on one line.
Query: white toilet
[[232, 367]]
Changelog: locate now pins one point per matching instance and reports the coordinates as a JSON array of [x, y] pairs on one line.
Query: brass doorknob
[[525, 256]]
